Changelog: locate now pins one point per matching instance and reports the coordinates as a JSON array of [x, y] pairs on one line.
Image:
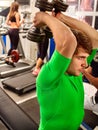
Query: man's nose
[[85, 64]]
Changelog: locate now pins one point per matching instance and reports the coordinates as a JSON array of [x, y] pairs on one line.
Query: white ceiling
[[5, 3]]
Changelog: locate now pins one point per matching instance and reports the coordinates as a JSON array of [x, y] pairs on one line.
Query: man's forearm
[[86, 28]]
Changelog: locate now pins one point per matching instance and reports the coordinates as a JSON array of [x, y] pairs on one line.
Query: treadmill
[[21, 83], [18, 79], [12, 117], [22, 65], [7, 70]]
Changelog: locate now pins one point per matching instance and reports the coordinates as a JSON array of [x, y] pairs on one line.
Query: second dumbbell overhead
[[37, 34]]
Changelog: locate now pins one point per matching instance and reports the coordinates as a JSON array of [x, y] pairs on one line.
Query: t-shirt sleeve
[[91, 57], [52, 71]]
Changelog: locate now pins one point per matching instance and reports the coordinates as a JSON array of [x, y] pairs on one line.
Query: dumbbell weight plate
[[44, 5], [35, 38], [14, 55], [60, 5], [35, 35], [34, 30]]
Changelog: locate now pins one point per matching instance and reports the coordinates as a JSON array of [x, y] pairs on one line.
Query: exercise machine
[[12, 116], [21, 83], [22, 65], [18, 79]]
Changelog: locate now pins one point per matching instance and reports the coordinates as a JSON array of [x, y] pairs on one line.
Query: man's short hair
[[83, 41]]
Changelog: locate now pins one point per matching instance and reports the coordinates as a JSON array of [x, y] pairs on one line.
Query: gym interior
[[17, 84]]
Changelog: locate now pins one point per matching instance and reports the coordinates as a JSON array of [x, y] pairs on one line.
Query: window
[[23, 2]]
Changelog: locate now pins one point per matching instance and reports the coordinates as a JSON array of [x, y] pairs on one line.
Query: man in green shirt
[[59, 84]]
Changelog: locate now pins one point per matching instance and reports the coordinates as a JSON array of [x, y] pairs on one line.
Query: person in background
[[59, 85], [14, 21], [42, 52], [91, 85], [91, 73]]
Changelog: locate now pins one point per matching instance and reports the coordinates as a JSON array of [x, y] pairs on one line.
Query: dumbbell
[[37, 34], [60, 6], [14, 56]]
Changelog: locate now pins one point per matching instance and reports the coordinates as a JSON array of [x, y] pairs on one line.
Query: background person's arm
[[18, 21], [93, 80], [8, 22]]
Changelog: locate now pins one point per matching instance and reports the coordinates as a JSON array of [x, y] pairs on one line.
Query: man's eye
[[80, 58]]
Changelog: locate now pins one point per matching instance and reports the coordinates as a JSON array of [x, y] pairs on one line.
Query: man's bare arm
[[75, 23], [64, 39]]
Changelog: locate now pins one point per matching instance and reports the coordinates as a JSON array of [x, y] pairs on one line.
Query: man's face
[[79, 62]]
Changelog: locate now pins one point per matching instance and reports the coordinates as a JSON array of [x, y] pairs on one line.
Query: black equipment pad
[[8, 70], [13, 116], [31, 107], [21, 83]]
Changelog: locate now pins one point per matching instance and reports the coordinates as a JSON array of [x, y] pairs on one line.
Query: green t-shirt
[[61, 96], [91, 57]]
